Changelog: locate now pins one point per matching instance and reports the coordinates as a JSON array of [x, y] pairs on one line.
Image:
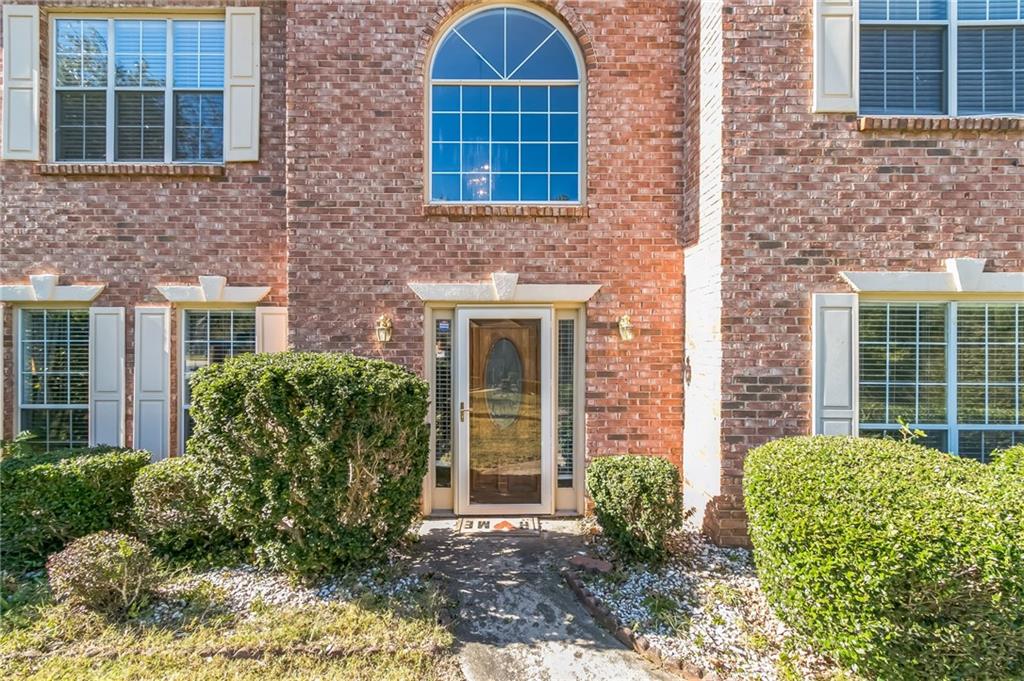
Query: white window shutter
[[835, 364], [242, 84], [271, 329], [106, 376], [21, 83], [152, 380], [836, 60]]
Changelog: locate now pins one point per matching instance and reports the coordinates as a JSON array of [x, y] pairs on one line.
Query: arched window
[[505, 106]]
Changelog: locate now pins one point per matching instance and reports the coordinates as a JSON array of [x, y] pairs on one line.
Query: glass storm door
[[503, 410]]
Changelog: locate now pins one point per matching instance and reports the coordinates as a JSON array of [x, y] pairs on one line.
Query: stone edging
[[603, 616]]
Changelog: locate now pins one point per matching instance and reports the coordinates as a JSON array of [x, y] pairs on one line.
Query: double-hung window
[[138, 90], [211, 336], [954, 370], [942, 57], [53, 388]]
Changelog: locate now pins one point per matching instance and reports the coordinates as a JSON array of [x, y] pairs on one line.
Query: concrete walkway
[[516, 619]]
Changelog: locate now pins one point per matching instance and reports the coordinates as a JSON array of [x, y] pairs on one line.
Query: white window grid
[[1009, 431], [509, 80], [193, 361], [488, 172], [951, 24], [71, 382], [110, 89]]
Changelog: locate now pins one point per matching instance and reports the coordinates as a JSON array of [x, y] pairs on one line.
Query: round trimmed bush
[[49, 498], [637, 501], [317, 459], [902, 562], [1010, 460], [108, 572], [172, 509]]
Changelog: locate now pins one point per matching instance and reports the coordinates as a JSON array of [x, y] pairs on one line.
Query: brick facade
[[699, 141], [805, 196]]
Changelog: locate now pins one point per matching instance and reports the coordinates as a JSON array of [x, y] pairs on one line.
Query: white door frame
[[461, 379]]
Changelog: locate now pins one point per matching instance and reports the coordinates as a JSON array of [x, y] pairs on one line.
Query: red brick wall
[[358, 231], [807, 196], [136, 231]]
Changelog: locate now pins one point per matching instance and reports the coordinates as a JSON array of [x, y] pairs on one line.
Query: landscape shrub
[[172, 509], [637, 501], [107, 572], [317, 459], [899, 561], [1010, 460], [48, 499]]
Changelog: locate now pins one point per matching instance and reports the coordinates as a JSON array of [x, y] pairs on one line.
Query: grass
[[372, 638]]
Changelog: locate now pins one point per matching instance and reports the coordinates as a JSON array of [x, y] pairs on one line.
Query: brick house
[[594, 226]]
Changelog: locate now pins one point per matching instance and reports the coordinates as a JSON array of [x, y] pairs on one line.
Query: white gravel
[[706, 606], [241, 589]]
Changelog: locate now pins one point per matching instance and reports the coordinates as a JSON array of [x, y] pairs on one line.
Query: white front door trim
[[504, 287], [461, 378]]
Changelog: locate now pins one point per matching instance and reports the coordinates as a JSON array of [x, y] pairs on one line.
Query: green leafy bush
[[1010, 460], [108, 572], [317, 459], [48, 499], [637, 501], [172, 509], [900, 561]]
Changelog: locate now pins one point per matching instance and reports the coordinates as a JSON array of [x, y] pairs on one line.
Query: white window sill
[[168, 169], [925, 123]]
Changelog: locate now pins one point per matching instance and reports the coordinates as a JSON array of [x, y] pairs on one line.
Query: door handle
[[463, 410]]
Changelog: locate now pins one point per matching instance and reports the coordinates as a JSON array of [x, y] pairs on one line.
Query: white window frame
[[17, 339], [952, 426], [111, 88], [183, 406], [951, 23], [580, 83]]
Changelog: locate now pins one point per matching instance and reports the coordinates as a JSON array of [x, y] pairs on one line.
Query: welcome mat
[[499, 526]]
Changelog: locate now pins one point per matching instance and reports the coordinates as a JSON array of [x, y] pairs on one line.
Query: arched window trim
[[580, 82]]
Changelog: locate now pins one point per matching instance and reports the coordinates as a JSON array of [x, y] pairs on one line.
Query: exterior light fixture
[[383, 328], [626, 331]]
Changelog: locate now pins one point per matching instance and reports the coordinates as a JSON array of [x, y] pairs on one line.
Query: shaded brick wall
[[358, 231], [806, 196], [135, 231]]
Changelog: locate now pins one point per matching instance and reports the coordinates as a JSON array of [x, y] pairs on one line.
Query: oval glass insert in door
[[505, 416]]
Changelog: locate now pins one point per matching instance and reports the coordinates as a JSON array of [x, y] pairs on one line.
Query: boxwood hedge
[[172, 510], [317, 459], [900, 561], [48, 499], [637, 501]]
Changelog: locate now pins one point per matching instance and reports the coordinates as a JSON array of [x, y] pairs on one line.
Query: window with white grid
[[505, 111], [209, 337], [54, 377], [566, 426], [443, 403], [138, 90], [911, 353], [958, 57]]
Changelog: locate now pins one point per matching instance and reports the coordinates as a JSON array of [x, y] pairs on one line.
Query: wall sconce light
[[383, 328], [626, 331]]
